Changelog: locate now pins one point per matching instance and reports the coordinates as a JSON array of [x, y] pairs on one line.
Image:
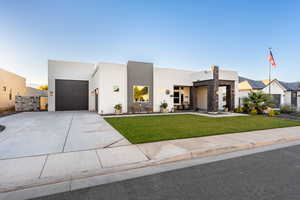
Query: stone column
[[212, 91], [230, 96]]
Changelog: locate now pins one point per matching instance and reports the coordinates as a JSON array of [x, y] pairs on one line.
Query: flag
[[271, 59]]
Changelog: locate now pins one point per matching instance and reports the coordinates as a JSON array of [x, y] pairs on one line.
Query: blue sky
[[177, 34]]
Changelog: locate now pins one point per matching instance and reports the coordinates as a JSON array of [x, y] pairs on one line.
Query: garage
[[71, 95]]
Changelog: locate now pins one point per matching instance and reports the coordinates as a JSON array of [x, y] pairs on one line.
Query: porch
[[205, 94]]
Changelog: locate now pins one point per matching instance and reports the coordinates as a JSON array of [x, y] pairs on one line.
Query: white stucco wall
[[10, 83], [112, 75], [165, 79], [287, 98], [68, 71], [94, 83]]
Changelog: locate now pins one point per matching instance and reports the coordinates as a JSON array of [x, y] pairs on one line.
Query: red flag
[[271, 59]]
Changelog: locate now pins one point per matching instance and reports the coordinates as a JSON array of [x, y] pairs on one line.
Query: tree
[[257, 100], [43, 87]]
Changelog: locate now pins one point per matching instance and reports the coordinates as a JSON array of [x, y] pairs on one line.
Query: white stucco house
[[138, 85], [10, 85]]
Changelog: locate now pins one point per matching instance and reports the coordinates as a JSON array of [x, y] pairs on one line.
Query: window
[[10, 94], [140, 93]]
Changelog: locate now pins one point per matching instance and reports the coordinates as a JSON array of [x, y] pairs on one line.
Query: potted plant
[[118, 109], [164, 107]]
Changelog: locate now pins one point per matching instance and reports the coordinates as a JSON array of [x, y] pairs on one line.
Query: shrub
[[239, 109], [287, 109], [253, 111], [276, 112], [164, 105], [271, 113], [258, 101], [118, 107]]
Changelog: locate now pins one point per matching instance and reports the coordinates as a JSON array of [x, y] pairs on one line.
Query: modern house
[[138, 86], [282, 92], [10, 85]]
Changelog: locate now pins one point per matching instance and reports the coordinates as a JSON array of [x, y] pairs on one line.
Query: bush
[[287, 109], [253, 111], [239, 109], [118, 107], [276, 112], [271, 113], [164, 105], [258, 101]]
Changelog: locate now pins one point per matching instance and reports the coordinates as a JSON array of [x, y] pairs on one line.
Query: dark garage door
[[71, 95]]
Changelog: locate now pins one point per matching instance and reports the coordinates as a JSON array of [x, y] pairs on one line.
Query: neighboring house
[[247, 85], [10, 85], [282, 92], [99, 87]]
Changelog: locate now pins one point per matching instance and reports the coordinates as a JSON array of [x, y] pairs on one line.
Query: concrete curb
[[196, 154]]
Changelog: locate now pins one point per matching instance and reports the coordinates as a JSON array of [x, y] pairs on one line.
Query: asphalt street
[[267, 175]]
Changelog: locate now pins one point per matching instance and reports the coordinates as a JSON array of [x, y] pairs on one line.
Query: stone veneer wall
[[27, 103]]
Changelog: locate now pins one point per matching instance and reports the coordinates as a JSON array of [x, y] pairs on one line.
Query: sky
[[233, 34]]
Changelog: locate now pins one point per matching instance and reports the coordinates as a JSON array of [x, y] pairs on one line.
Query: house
[[137, 86], [247, 85], [10, 85], [282, 92]]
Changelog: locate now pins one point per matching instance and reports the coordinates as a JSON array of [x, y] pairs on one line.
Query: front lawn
[[143, 129]]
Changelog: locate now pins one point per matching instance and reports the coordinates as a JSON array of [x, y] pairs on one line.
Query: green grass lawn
[[143, 129]]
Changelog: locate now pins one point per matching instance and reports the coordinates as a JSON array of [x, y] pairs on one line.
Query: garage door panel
[[71, 95]]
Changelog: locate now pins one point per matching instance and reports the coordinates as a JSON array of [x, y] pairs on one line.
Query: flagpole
[[270, 67]]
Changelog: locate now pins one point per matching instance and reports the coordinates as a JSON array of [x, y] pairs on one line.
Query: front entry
[[213, 93]]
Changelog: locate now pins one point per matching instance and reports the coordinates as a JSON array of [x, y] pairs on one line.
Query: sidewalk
[[28, 172]]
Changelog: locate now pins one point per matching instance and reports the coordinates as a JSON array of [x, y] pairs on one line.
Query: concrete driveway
[[38, 133]]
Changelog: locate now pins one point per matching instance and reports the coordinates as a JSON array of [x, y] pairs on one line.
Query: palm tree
[[257, 100]]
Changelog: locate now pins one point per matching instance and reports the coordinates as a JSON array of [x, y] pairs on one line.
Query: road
[[267, 175]]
